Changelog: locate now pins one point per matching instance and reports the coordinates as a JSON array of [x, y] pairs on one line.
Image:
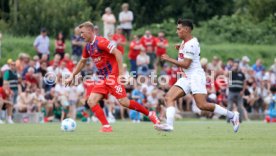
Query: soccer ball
[[68, 125]]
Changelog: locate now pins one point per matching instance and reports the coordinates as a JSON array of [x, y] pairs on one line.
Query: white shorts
[[194, 83]]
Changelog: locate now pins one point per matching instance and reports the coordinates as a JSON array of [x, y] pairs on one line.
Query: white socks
[[222, 111], [170, 112]]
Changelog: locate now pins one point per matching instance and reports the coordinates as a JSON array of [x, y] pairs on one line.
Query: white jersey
[[190, 50]]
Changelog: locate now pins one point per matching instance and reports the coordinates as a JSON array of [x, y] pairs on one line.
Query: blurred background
[[39, 36]]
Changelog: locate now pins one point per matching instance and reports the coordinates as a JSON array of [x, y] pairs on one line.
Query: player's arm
[[183, 64], [119, 57]]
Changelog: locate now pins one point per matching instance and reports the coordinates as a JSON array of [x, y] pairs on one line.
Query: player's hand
[[165, 57], [69, 81], [177, 46]]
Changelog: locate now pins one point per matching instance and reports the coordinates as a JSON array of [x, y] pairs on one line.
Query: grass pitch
[[191, 138]]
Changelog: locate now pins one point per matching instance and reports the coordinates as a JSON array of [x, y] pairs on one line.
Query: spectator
[[229, 64], [244, 64], [273, 67], [214, 66], [5, 103], [152, 100], [97, 30], [109, 21], [139, 97], [134, 50], [57, 59], [42, 43], [38, 100], [6, 66], [31, 78], [126, 18], [120, 39], [51, 102], [236, 89], [11, 77], [60, 45], [77, 43], [31, 64], [21, 62], [25, 101], [143, 61], [258, 69], [37, 62], [162, 44], [148, 41], [69, 63]]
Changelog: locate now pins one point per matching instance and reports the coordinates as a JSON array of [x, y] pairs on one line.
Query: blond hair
[[87, 24]]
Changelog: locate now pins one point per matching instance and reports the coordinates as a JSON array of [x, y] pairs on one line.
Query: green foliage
[[54, 15], [237, 29]]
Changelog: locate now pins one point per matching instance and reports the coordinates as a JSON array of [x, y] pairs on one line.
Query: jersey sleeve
[[106, 45], [190, 52], [85, 52]]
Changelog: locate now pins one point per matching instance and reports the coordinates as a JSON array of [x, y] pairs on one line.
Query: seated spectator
[[258, 69], [69, 63], [24, 103], [31, 78], [143, 61], [139, 97], [38, 100], [229, 64], [22, 62], [244, 66], [6, 66], [60, 45], [5, 102], [272, 106], [134, 51], [37, 62], [30, 65], [51, 101], [214, 65], [152, 101]]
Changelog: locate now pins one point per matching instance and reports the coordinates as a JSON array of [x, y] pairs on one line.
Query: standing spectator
[[109, 21], [97, 30], [134, 50], [11, 77], [120, 39], [42, 43], [126, 18], [162, 44], [60, 45], [236, 89], [77, 43], [229, 65], [5, 103], [143, 61], [148, 41]]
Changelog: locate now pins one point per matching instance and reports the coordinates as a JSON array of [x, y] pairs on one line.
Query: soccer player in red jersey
[[108, 60]]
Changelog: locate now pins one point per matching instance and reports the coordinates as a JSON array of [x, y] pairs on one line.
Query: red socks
[[99, 114], [136, 106]]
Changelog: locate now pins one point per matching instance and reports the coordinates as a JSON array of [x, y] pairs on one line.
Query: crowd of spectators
[[35, 83]]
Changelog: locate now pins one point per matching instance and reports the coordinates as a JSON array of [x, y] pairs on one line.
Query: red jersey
[[69, 64], [88, 86], [4, 94], [121, 38], [31, 79], [149, 43], [100, 52], [133, 53], [160, 50]]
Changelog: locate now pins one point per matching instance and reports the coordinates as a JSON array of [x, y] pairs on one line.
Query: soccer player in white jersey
[[193, 80]]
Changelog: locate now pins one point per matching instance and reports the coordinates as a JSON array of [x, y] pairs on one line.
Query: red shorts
[[111, 86]]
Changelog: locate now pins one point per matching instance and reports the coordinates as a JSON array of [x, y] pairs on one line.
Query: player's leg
[[93, 101], [131, 104], [202, 104], [9, 108]]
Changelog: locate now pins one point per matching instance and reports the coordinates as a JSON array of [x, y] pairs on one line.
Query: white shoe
[[10, 121], [2, 122], [163, 127], [236, 121]]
